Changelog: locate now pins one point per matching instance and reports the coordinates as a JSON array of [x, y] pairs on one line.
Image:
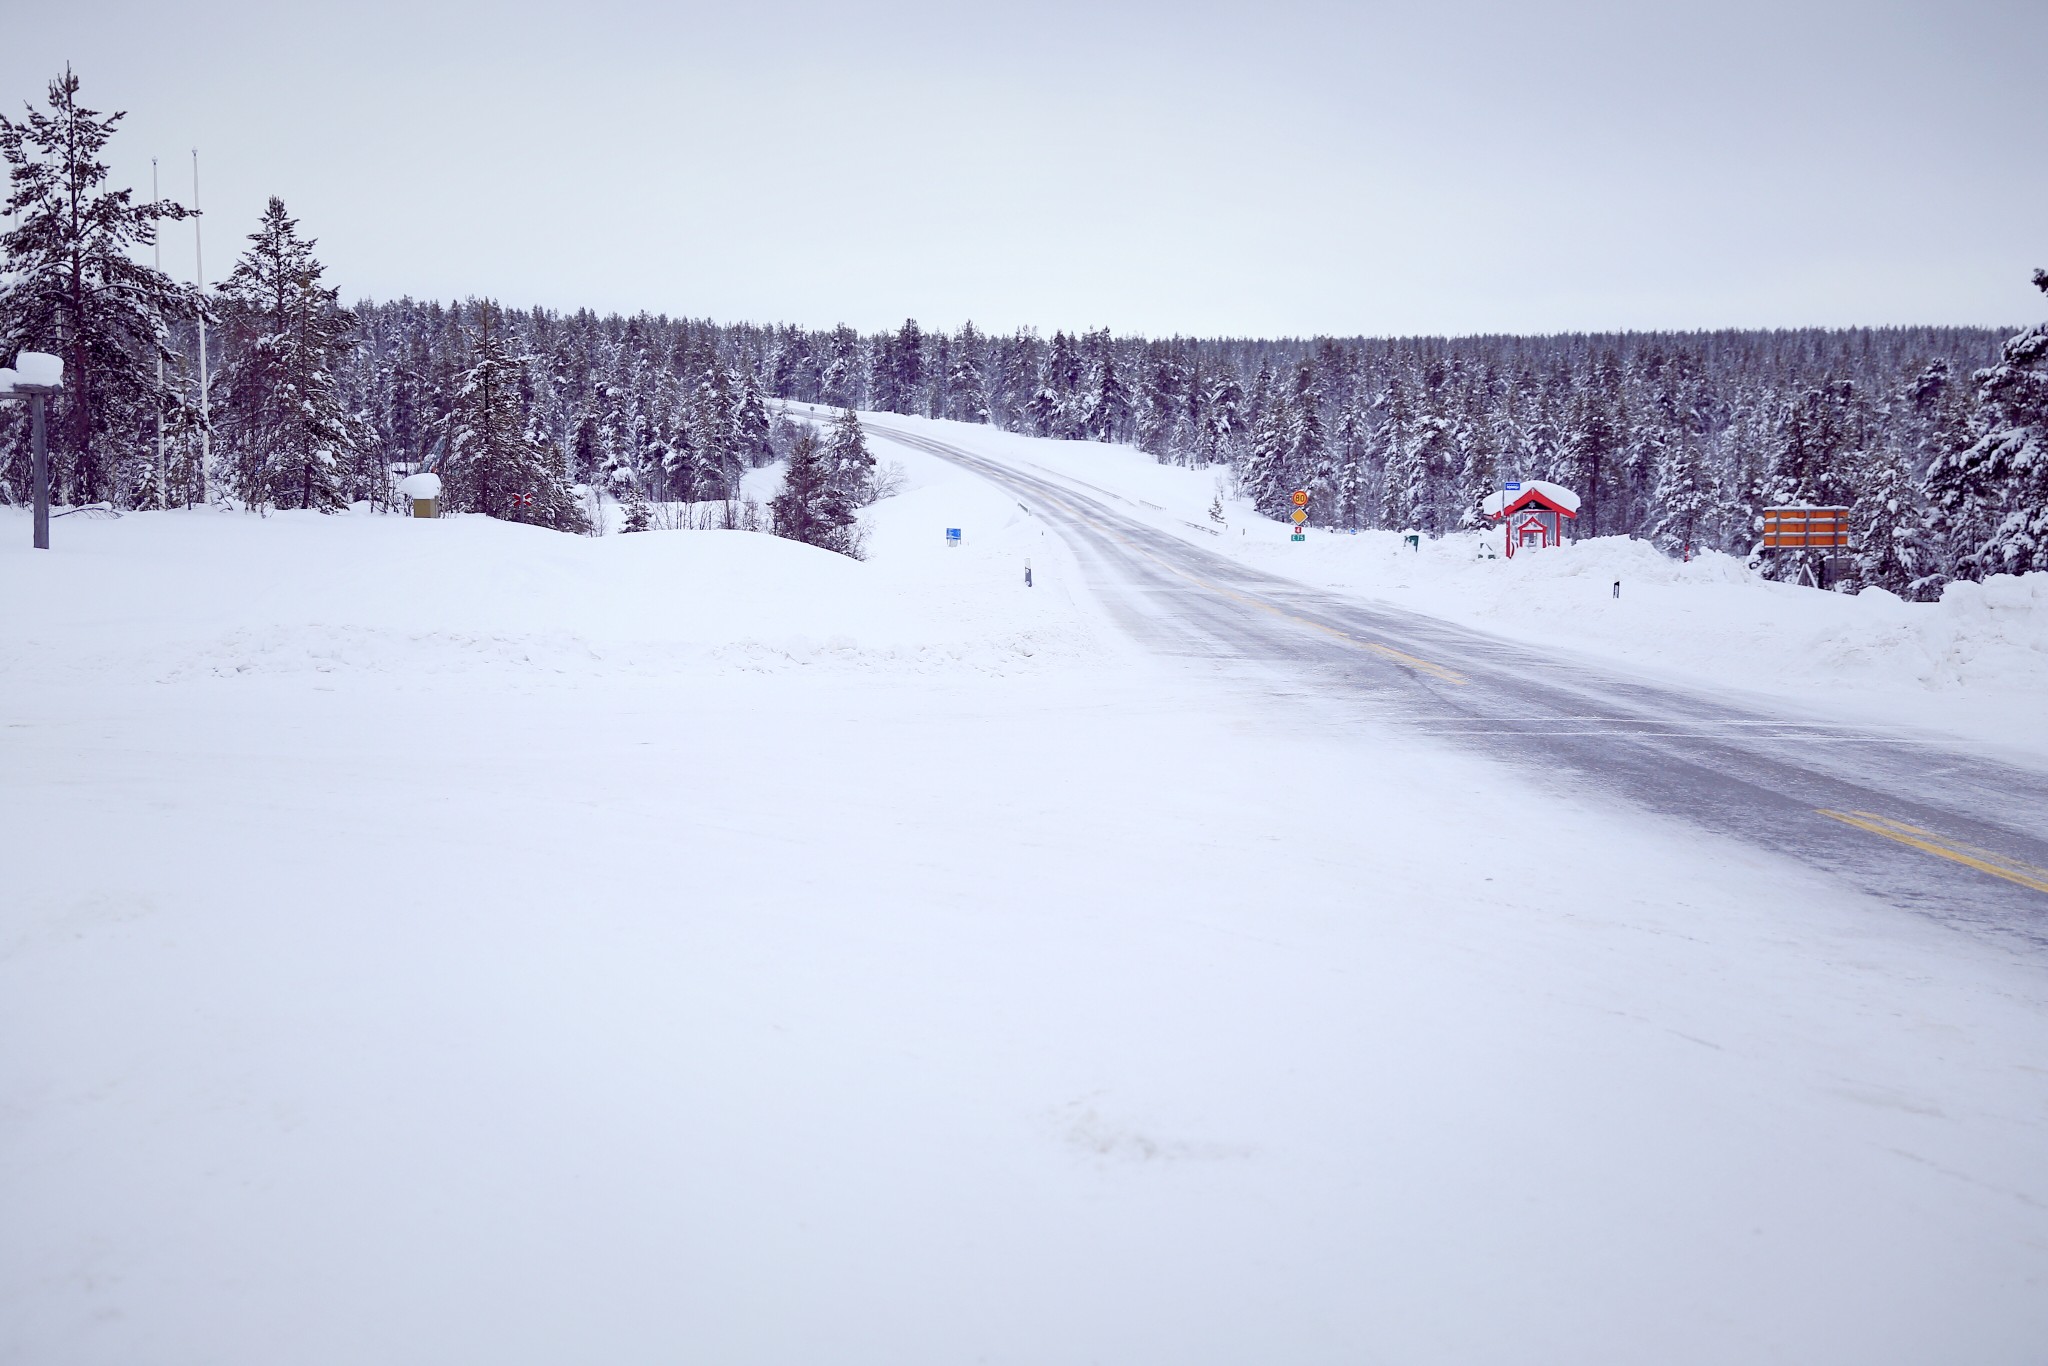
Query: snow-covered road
[[1914, 819]]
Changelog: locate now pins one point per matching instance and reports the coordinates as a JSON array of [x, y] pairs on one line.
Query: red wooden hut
[[1532, 514]]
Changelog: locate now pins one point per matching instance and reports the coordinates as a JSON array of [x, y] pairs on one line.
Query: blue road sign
[[952, 535], [1512, 485]]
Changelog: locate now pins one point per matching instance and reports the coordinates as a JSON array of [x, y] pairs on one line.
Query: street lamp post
[[35, 377]]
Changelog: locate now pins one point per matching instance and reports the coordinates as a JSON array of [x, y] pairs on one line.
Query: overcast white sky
[[1265, 169]]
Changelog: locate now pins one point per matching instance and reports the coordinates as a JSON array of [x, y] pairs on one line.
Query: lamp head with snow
[[33, 373]]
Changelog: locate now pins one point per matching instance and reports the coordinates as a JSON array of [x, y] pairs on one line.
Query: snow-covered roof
[[1554, 493], [420, 486]]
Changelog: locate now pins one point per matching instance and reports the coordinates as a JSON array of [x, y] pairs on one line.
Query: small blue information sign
[[952, 535], [1512, 485]]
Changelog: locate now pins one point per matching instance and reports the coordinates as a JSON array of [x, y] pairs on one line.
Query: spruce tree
[[1683, 498], [966, 383], [1055, 405], [638, 516], [1308, 461], [2012, 455], [1888, 530], [750, 421], [1401, 480], [1350, 441], [491, 466], [808, 507], [1106, 412], [1222, 430], [73, 288], [1820, 450], [1267, 478], [714, 434], [285, 429], [849, 467]]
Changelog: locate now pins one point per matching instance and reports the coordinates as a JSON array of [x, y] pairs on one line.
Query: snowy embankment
[[192, 593], [1974, 664], [435, 942]]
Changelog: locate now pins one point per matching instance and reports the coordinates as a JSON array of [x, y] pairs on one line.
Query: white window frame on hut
[[1533, 516]]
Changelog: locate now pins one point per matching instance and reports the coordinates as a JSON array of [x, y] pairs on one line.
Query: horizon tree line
[[1936, 438]]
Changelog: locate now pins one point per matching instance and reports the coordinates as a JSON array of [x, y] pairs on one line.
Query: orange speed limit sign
[[1298, 515], [1301, 498]]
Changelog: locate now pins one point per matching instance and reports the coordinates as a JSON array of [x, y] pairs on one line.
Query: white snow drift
[[445, 941]]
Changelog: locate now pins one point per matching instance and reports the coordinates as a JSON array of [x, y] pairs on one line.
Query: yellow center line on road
[[1983, 860]]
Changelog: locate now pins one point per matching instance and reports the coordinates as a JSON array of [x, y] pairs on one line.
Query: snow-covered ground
[[448, 941], [1974, 665]]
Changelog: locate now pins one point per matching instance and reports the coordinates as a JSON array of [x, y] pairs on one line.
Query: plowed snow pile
[[180, 594]]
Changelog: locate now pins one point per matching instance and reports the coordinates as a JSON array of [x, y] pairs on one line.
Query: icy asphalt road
[[1915, 820]]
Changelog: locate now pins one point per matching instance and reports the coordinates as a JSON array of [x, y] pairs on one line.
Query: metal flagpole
[[157, 247], [205, 399]]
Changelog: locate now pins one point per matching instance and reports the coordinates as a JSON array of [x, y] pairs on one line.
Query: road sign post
[[39, 471], [1300, 514]]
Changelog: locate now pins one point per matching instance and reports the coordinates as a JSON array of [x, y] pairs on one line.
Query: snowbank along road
[[1920, 823]]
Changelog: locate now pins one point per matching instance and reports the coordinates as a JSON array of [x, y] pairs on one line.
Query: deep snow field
[[448, 941]]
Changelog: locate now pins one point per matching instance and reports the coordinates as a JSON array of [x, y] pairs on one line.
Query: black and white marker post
[[35, 377]]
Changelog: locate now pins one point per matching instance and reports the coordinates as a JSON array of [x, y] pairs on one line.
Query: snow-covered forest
[[1937, 437]]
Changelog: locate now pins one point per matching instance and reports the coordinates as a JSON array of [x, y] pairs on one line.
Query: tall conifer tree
[[285, 429], [73, 288]]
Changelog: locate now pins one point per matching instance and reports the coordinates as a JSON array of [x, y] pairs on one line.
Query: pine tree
[[809, 508], [73, 288], [286, 432]]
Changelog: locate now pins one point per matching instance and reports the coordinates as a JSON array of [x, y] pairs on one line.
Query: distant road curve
[[1915, 820]]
